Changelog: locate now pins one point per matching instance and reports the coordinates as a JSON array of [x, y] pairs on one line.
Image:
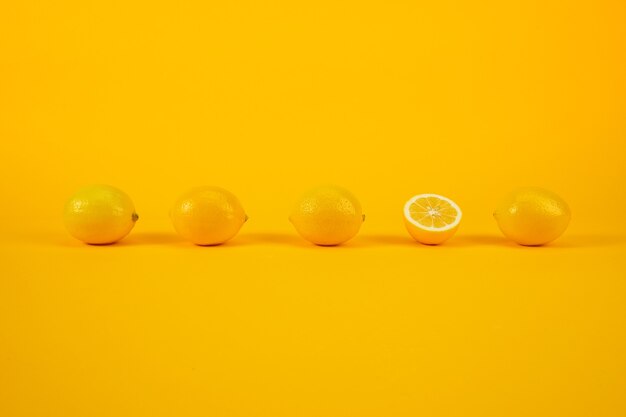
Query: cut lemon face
[[431, 219]]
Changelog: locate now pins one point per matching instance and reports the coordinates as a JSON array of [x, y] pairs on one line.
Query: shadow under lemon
[[361, 241]]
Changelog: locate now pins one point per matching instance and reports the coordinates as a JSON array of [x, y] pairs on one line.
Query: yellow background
[[389, 99]]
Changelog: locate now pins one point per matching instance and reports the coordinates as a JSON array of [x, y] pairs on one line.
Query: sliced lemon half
[[431, 219]]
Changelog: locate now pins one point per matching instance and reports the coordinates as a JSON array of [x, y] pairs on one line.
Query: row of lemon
[[326, 215]]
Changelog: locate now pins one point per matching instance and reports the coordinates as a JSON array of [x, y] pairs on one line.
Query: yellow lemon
[[532, 216], [99, 214], [208, 215], [431, 219], [327, 215]]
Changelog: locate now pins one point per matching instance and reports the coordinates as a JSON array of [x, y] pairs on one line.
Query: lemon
[[208, 215], [532, 216], [431, 219], [99, 214], [327, 215]]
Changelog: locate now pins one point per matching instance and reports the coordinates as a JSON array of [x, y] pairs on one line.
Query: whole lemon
[[99, 214], [327, 215], [208, 215], [532, 216]]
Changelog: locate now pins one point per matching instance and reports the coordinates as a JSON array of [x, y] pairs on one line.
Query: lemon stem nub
[[364, 217], [135, 217], [245, 219]]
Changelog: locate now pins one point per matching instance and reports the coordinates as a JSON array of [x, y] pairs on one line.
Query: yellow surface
[[266, 99]]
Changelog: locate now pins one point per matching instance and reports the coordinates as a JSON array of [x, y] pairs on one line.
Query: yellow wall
[[389, 99]]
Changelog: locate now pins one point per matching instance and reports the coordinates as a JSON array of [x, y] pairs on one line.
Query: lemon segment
[[431, 219]]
